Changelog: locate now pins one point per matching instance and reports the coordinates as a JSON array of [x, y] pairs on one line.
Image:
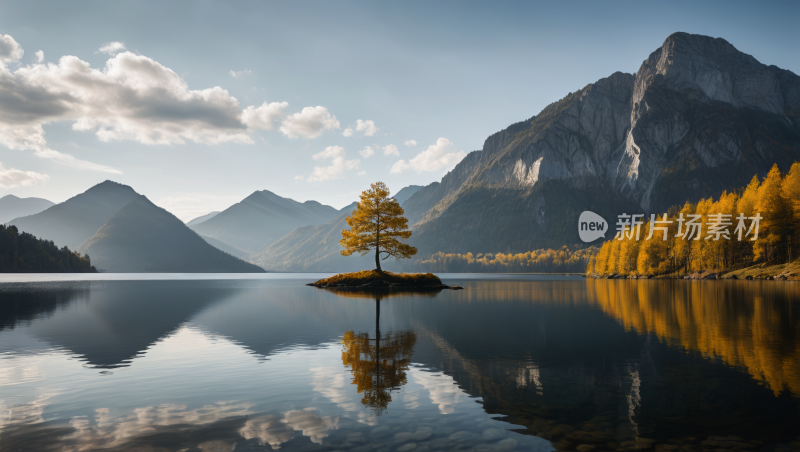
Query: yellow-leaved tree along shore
[[776, 199], [377, 224]]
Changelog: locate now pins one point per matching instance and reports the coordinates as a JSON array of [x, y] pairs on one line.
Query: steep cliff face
[[703, 117], [699, 117]]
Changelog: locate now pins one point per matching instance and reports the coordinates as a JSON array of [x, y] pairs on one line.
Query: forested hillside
[[21, 252], [774, 202]]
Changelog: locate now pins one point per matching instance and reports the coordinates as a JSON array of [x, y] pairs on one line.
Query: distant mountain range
[[142, 237], [12, 207], [317, 248], [406, 193], [202, 218], [312, 248], [122, 231], [261, 219], [78, 218], [699, 117]]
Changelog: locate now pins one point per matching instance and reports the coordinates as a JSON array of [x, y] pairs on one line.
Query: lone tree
[[377, 224]]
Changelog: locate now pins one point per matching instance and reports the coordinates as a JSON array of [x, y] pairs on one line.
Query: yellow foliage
[[377, 224], [776, 200]]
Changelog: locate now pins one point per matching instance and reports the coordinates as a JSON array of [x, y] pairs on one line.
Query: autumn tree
[[776, 212], [790, 190], [378, 364], [377, 224]]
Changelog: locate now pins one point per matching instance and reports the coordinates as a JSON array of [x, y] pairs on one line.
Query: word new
[[689, 227]]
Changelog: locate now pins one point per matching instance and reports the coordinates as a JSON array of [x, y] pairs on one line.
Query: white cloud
[[12, 177], [329, 152], [262, 117], [399, 167], [390, 149], [311, 424], [361, 173], [39, 56], [348, 132], [411, 143], [69, 160], [337, 167], [442, 389], [237, 74], [132, 98], [438, 156], [367, 126], [269, 429], [112, 48], [10, 50], [311, 122], [367, 152]]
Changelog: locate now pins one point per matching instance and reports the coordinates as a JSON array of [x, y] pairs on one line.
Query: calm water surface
[[221, 363]]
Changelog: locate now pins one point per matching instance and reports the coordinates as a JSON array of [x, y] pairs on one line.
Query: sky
[[197, 104]]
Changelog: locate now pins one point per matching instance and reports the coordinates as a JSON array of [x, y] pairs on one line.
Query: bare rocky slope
[[697, 118]]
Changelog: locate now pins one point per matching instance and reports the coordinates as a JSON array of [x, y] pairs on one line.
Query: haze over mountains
[[142, 237], [261, 219], [313, 248], [122, 231], [202, 218], [78, 218], [13, 207]]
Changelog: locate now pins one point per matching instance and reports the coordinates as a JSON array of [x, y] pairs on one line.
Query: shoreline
[[759, 272]]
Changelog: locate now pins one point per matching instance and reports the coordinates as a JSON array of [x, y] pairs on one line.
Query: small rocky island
[[378, 225], [374, 279]]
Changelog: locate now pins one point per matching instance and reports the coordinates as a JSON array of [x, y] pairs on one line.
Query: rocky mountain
[[261, 219], [12, 207], [144, 238], [78, 218], [699, 117], [202, 218], [313, 249]]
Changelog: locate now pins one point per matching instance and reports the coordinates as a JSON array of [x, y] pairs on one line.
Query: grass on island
[[365, 276]]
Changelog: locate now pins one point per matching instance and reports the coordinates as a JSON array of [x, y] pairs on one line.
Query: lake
[[222, 363]]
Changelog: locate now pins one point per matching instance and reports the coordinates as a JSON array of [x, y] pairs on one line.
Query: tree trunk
[[378, 246]]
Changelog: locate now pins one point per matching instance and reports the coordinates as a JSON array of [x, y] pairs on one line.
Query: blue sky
[[444, 74]]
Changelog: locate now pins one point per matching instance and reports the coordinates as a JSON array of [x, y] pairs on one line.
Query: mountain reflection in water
[[267, 364]]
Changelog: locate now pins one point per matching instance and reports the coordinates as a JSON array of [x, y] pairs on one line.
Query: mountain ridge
[[12, 207], [262, 218], [73, 221], [699, 117], [144, 238]]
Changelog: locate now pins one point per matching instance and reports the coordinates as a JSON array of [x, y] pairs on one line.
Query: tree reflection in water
[[378, 365]]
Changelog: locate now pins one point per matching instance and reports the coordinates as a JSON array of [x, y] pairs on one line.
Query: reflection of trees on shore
[[750, 325], [378, 365]]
